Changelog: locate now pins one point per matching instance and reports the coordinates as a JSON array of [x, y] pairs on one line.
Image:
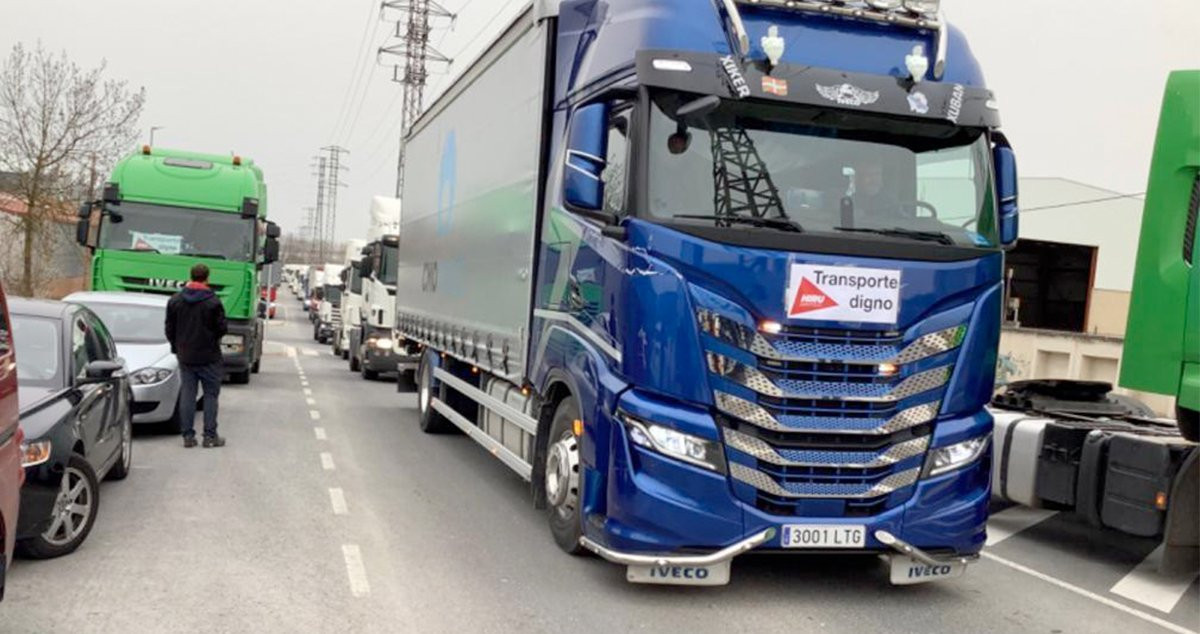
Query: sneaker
[[188, 443], [214, 441]]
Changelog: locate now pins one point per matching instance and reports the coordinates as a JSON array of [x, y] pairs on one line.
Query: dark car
[[76, 412], [11, 474]]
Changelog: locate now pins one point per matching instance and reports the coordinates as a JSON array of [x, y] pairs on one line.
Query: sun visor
[[726, 76]]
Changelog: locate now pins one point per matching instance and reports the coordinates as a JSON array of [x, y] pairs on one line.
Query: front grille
[[818, 426]]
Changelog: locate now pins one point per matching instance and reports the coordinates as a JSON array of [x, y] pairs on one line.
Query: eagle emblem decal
[[848, 95]]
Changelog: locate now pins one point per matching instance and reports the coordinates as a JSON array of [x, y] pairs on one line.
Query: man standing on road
[[195, 325]]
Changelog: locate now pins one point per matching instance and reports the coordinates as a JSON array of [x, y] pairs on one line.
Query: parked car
[[77, 418], [11, 473], [136, 323]]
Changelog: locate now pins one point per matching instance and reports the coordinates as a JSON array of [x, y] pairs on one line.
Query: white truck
[[376, 351], [351, 308], [329, 302]]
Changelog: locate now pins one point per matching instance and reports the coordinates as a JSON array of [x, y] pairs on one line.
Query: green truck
[[163, 211], [1162, 340]]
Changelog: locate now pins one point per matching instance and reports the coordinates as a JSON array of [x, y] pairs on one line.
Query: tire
[[120, 470], [239, 378], [345, 354], [257, 365], [406, 381], [1189, 423], [430, 420], [369, 374], [564, 479], [69, 529]]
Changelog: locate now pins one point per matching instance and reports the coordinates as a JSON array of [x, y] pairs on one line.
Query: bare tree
[[58, 124]]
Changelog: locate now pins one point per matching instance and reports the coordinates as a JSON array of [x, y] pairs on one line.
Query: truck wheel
[[73, 514], [564, 479], [1189, 423], [257, 363], [431, 421], [406, 381]]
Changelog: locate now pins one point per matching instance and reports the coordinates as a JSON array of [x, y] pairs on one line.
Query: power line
[[1083, 202], [364, 50]]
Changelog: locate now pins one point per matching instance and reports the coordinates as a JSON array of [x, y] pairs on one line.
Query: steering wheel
[[920, 204]]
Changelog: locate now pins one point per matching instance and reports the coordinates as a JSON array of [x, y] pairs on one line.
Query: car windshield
[[132, 324], [389, 264], [38, 354], [333, 294], [178, 231], [790, 168]]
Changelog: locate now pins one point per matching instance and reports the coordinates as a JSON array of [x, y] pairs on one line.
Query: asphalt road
[[330, 511]]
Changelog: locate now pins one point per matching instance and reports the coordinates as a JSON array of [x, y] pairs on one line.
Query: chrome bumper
[[905, 548], [718, 557]]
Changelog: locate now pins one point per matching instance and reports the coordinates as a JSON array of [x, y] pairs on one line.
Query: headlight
[[923, 7], [150, 376], [884, 5], [955, 456], [35, 453], [233, 343], [676, 444], [382, 343]]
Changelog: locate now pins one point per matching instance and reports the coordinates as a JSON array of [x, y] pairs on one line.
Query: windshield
[[38, 355], [388, 264], [179, 231], [784, 168], [333, 294], [132, 324], [356, 278]]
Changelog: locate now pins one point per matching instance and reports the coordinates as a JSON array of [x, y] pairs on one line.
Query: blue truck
[[719, 276]]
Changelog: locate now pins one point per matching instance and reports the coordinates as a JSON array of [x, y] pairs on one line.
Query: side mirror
[[83, 227], [85, 210], [587, 147], [249, 207], [112, 194], [1005, 161], [100, 372], [273, 230], [271, 251]]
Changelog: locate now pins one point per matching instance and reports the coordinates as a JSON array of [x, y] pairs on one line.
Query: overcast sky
[[1079, 82]]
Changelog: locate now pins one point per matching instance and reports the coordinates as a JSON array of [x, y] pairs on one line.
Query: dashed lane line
[[337, 499], [314, 414], [320, 433], [327, 461], [356, 571], [311, 353], [1147, 586], [304, 384], [307, 392], [1145, 616], [311, 401]]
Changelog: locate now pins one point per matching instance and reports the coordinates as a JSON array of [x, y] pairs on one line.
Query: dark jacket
[[195, 325]]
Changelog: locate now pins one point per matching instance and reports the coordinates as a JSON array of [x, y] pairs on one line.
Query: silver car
[[136, 323]]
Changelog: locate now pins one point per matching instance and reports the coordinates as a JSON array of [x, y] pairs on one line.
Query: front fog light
[[946, 459], [676, 444], [233, 343]]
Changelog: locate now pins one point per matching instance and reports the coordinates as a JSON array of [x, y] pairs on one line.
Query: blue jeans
[[210, 377]]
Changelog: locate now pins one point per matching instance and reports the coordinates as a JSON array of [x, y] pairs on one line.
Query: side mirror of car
[[271, 251], [83, 228], [273, 230], [100, 371], [583, 189]]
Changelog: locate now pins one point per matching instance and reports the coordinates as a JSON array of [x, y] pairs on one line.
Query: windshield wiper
[[141, 250], [897, 232], [782, 224], [214, 256]]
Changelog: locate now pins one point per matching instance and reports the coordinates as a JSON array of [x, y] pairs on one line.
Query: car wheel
[[406, 381], [369, 374], [72, 516], [564, 479], [432, 422], [257, 365], [240, 378], [120, 471]]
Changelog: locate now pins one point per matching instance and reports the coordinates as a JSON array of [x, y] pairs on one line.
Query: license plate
[[907, 571], [714, 575], [823, 536]]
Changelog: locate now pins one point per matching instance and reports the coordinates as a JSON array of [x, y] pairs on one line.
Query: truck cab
[[329, 306], [165, 210], [352, 299]]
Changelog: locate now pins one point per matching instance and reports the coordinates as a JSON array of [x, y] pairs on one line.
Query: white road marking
[[303, 383], [327, 461], [1146, 586], [1145, 616], [1013, 520], [307, 392], [311, 353], [314, 414], [320, 432], [291, 351], [311, 401], [357, 572], [337, 499]]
